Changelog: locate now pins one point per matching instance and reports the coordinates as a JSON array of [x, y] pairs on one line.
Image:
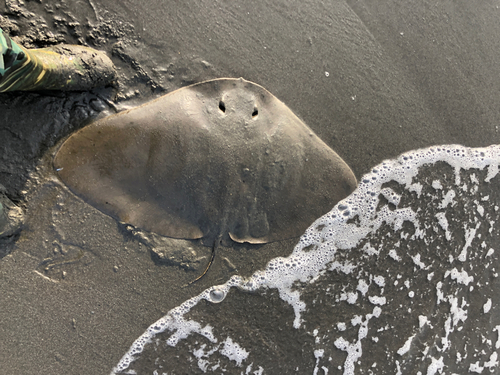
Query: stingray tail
[[215, 246], [63, 67]]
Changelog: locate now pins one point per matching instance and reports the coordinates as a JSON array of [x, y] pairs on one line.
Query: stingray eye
[[222, 107], [255, 112]]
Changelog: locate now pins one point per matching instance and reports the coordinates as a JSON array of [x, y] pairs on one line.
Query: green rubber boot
[[63, 67]]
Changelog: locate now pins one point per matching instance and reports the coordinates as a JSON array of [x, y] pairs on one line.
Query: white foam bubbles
[[487, 306], [350, 223], [233, 351]]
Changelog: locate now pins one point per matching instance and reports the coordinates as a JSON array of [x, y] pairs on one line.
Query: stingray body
[[219, 159]]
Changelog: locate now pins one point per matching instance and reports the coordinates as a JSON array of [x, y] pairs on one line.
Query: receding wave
[[399, 277]]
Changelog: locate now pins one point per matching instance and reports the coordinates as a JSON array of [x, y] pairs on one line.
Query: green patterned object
[[63, 67], [12, 54]]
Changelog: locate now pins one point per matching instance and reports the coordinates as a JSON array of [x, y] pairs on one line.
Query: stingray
[[222, 160]]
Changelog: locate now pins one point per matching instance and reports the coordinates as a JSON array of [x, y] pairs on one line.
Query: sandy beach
[[372, 81]]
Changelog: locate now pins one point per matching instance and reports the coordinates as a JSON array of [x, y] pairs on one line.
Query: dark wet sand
[[371, 80]]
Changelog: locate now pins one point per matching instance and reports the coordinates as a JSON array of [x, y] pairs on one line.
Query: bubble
[[217, 295]]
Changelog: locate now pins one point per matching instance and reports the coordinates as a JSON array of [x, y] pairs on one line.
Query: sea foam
[[401, 265]]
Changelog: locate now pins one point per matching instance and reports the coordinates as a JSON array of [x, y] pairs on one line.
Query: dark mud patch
[[34, 122]]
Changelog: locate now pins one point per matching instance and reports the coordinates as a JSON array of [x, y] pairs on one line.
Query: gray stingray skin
[[222, 158]]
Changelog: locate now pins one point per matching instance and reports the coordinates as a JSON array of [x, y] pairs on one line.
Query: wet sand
[[371, 81]]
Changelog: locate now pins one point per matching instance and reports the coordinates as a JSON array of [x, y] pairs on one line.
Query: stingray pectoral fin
[[298, 189], [106, 164], [132, 205], [123, 194], [248, 239]]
